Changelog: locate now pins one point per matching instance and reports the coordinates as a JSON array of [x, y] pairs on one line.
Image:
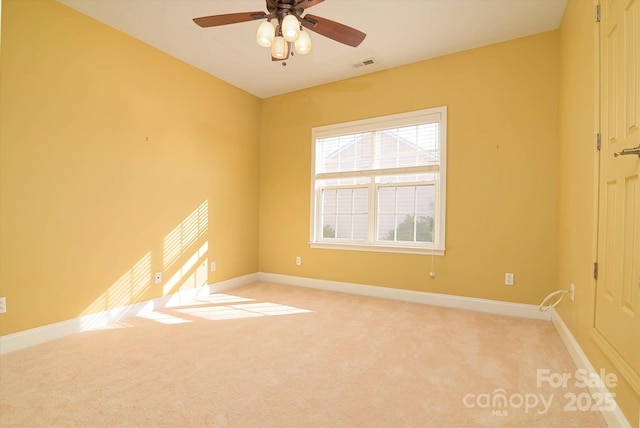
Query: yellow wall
[[107, 146], [577, 187], [501, 183]]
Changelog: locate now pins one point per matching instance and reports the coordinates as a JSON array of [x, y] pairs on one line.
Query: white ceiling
[[398, 32]]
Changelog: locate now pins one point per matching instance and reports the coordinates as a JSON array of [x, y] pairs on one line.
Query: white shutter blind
[[381, 151]]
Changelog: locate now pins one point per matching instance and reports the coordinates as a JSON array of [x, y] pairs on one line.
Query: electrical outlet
[[213, 266], [572, 292], [508, 279], [3, 305], [158, 278], [298, 260]]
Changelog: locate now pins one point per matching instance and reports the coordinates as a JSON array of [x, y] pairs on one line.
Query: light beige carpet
[[269, 355]]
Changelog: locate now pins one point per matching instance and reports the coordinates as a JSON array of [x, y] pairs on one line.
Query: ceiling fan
[[288, 31]]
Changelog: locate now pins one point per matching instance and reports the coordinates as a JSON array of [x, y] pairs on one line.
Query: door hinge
[[595, 270], [597, 14], [598, 141]]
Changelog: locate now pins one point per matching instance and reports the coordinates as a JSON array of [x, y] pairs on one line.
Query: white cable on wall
[[432, 273], [544, 308]]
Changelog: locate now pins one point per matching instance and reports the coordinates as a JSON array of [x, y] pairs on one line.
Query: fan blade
[[229, 18], [306, 4], [333, 30]]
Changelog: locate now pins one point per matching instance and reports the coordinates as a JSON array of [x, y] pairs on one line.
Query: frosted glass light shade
[[266, 33], [279, 49], [303, 44], [290, 28]]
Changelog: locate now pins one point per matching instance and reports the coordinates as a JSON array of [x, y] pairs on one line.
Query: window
[[379, 184]]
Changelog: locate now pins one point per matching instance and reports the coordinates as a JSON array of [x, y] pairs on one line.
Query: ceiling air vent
[[368, 61]]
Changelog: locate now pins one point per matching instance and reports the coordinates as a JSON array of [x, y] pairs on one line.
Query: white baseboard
[[613, 418], [35, 336], [449, 301]]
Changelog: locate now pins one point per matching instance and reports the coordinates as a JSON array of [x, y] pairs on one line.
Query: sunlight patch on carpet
[[249, 310]]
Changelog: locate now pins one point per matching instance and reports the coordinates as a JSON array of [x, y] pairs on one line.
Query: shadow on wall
[[184, 267]]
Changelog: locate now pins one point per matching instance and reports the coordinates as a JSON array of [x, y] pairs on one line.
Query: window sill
[[378, 248]]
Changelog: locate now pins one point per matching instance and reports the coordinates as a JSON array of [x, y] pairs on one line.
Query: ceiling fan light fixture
[[286, 35], [303, 43], [279, 49], [290, 28], [265, 35]]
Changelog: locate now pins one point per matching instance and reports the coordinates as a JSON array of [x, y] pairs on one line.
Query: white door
[[617, 311]]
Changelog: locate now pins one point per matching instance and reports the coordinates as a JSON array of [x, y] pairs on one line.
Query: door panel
[[617, 312]]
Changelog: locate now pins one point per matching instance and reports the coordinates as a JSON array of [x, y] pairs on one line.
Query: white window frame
[[438, 114]]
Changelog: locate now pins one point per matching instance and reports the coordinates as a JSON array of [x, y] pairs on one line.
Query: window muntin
[[380, 183], [345, 213], [406, 213]]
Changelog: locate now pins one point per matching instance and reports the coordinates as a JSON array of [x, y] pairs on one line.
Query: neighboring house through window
[[379, 184]]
